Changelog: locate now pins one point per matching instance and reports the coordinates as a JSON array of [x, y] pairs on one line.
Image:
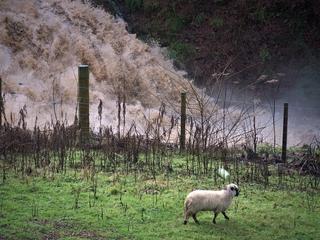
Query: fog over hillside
[[42, 43]]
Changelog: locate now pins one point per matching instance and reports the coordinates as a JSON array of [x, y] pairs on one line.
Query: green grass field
[[134, 207]]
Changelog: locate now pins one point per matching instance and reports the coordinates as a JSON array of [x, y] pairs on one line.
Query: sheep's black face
[[237, 192], [234, 189]]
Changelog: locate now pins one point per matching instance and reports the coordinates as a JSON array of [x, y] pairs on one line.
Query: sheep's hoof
[[214, 222], [185, 222]]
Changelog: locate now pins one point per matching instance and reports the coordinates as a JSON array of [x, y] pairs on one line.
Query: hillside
[[249, 37], [43, 42]]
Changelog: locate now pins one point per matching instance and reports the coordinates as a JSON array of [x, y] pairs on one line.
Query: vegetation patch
[[216, 22], [256, 214], [289, 28], [180, 51], [134, 5]]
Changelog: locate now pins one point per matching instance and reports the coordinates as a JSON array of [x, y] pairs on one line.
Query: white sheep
[[208, 200]]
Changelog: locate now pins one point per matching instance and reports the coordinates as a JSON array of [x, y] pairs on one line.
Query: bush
[[260, 15], [264, 54], [134, 5], [180, 51], [216, 22], [175, 24], [114, 191], [199, 19], [151, 6], [266, 148]]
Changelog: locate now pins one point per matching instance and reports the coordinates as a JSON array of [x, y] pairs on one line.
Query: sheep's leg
[[225, 215], [214, 218], [186, 217], [187, 212], [195, 218]]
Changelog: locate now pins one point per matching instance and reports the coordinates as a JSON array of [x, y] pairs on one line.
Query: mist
[[43, 42]]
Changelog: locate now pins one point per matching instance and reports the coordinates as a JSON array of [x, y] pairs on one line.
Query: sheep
[[208, 200]]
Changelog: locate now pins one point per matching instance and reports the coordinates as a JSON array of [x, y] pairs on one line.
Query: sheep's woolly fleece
[[208, 200]]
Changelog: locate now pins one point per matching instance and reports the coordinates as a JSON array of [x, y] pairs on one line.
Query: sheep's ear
[[225, 187]]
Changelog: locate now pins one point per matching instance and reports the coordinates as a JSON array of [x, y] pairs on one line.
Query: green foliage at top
[[199, 19], [260, 15], [288, 28], [221, 1], [134, 5], [180, 51], [216, 22], [175, 23], [151, 6]]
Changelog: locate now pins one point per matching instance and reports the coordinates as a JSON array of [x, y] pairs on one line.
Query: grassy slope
[[38, 208]]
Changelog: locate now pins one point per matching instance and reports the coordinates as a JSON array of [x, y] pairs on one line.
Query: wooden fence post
[[83, 101], [1, 102], [183, 121], [284, 133]]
